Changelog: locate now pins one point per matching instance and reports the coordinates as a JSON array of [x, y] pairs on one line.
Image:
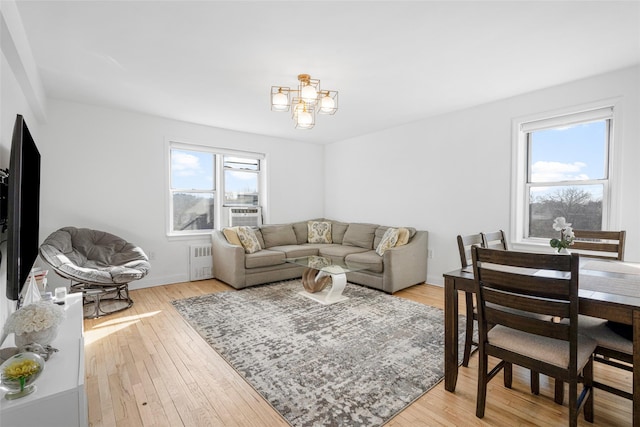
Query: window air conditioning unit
[[247, 216]]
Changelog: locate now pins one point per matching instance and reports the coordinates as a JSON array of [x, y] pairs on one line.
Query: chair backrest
[[494, 240], [464, 247], [512, 291], [599, 244]]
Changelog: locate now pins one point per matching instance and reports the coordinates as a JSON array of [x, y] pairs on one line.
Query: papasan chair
[[99, 264]]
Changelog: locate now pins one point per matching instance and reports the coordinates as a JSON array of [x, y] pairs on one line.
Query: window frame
[[218, 180], [520, 191]]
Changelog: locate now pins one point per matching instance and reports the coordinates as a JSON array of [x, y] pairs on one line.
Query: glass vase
[[18, 374]]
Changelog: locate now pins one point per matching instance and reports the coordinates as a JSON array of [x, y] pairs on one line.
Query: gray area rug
[[354, 363]]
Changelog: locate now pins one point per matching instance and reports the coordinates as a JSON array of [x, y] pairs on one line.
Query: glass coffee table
[[324, 279]]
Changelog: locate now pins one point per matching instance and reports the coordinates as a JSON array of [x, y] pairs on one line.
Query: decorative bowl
[[19, 372]]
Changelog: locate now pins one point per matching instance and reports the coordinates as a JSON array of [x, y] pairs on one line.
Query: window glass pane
[[571, 153], [581, 205], [192, 170], [192, 211], [241, 163], [240, 188]]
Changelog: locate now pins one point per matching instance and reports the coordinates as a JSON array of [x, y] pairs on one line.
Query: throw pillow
[[231, 233], [319, 232], [248, 239], [403, 236], [388, 240]]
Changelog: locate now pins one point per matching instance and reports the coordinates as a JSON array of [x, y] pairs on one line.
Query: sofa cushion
[[263, 258], [339, 251], [360, 235], [371, 259], [278, 235], [388, 240], [337, 231], [319, 232], [296, 251], [248, 239], [301, 230], [231, 234]]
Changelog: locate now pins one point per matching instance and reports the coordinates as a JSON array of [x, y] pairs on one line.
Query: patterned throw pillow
[[248, 239], [319, 232], [403, 236], [388, 241]]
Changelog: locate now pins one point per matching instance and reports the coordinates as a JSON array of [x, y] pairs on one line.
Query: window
[[563, 170], [196, 205], [192, 190], [241, 177]]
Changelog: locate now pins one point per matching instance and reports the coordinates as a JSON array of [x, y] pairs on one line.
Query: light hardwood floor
[[147, 367]]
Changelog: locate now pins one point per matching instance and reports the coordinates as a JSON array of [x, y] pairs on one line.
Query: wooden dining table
[[607, 290]]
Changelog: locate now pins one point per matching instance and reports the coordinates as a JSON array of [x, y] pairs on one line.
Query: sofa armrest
[[406, 265], [228, 261]]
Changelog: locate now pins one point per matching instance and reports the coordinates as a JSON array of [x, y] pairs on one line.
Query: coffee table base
[[329, 295]]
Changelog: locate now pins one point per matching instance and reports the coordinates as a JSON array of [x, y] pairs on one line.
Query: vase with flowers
[[35, 323], [18, 373], [566, 235]]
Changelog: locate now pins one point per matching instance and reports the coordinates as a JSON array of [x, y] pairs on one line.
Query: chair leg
[[535, 382], [559, 392], [508, 374], [468, 338], [483, 379], [588, 383], [573, 404]]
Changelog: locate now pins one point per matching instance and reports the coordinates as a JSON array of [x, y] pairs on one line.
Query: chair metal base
[[101, 300]]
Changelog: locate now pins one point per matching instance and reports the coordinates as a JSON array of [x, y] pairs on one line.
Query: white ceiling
[[393, 62]]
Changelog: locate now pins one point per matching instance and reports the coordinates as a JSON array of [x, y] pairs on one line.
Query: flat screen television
[[23, 216]]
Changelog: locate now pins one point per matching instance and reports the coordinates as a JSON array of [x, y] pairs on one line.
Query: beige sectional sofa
[[399, 267]]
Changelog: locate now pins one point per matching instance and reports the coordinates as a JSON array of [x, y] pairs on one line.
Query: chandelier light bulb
[[298, 109], [327, 104], [280, 101], [305, 119], [308, 93]]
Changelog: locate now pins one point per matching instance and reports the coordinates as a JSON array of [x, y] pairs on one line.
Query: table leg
[[636, 368], [450, 334], [339, 282]]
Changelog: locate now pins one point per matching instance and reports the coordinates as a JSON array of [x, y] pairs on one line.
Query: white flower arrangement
[[34, 317], [567, 235]]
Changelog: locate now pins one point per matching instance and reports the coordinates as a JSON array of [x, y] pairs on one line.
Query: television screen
[[23, 217]]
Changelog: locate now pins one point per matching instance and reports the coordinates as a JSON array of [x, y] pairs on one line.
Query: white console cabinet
[[60, 398]]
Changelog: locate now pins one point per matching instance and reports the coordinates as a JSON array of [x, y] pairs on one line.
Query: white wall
[[451, 174], [106, 169]]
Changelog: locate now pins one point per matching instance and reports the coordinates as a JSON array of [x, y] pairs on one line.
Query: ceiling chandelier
[[304, 102]]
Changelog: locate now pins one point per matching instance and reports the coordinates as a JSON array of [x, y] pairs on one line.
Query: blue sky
[[572, 153], [576, 152]]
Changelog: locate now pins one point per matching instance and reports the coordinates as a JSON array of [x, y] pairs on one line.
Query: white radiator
[[200, 262]]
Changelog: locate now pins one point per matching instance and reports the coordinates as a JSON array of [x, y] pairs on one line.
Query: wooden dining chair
[[599, 244], [495, 240], [506, 281], [464, 248], [613, 349]]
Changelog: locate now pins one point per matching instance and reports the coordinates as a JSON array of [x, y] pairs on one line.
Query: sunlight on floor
[[109, 326]]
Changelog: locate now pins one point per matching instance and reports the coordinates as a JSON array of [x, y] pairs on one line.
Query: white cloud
[[183, 164], [557, 171]]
